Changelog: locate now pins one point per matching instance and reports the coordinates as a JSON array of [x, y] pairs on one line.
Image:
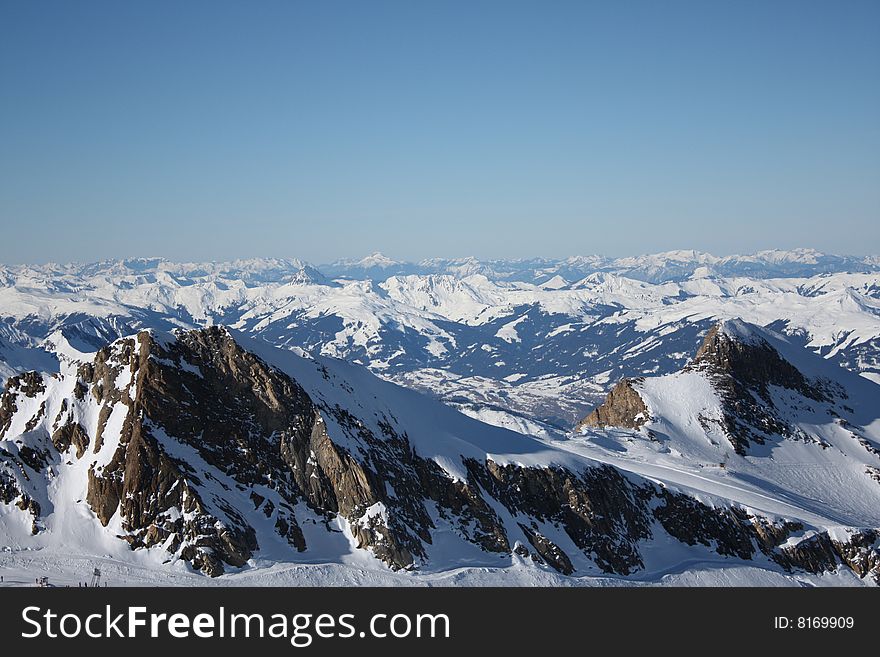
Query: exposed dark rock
[[35, 419], [814, 555], [148, 487], [25, 503], [28, 384], [35, 458], [861, 553], [69, 434], [726, 530], [11, 493], [103, 416], [259, 427], [599, 509], [461, 501], [548, 550], [8, 488], [742, 369], [622, 408], [753, 362], [288, 527]]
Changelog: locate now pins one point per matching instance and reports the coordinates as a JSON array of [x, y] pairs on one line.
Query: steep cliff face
[[194, 447], [260, 429], [21, 398], [168, 416], [733, 348], [602, 513], [743, 367]]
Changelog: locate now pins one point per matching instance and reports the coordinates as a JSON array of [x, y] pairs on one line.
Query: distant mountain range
[[653, 268], [656, 268]]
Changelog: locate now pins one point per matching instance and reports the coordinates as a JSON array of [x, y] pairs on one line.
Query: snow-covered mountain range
[[530, 356], [664, 418], [207, 451], [653, 268]]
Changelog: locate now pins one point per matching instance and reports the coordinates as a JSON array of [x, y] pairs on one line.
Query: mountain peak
[[728, 344], [623, 408], [377, 259], [744, 352], [735, 330], [740, 363], [308, 275]]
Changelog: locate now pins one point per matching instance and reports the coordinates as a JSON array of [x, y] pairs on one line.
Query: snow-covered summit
[[375, 259], [678, 265], [740, 331]]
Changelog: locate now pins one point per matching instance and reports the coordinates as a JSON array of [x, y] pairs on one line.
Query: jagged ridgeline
[[220, 451], [754, 416]]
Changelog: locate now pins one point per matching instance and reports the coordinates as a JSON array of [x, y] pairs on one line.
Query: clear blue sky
[[322, 129]]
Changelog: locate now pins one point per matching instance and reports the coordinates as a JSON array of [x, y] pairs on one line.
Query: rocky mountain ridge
[[190, 448], [752, 412]]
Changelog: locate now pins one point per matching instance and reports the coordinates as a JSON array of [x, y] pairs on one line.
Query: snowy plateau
[[673, 419]]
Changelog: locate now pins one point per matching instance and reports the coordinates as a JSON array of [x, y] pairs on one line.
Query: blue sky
[[214, 130]]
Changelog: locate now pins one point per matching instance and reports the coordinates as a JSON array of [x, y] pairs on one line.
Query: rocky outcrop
[[156, 494], [71, 433], [861, 553], [261, 430], [732, 348], [11, 491], [15, 467], [821, 552], [598, 509], [623, 407], [547, 550], [26, 385], [743, 366]]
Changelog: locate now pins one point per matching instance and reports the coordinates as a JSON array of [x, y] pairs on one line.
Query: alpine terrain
[[678, 419]]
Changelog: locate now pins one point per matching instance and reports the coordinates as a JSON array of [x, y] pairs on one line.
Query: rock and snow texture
[[529, 345], [210, 451], [759, 421], [243, 452]]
